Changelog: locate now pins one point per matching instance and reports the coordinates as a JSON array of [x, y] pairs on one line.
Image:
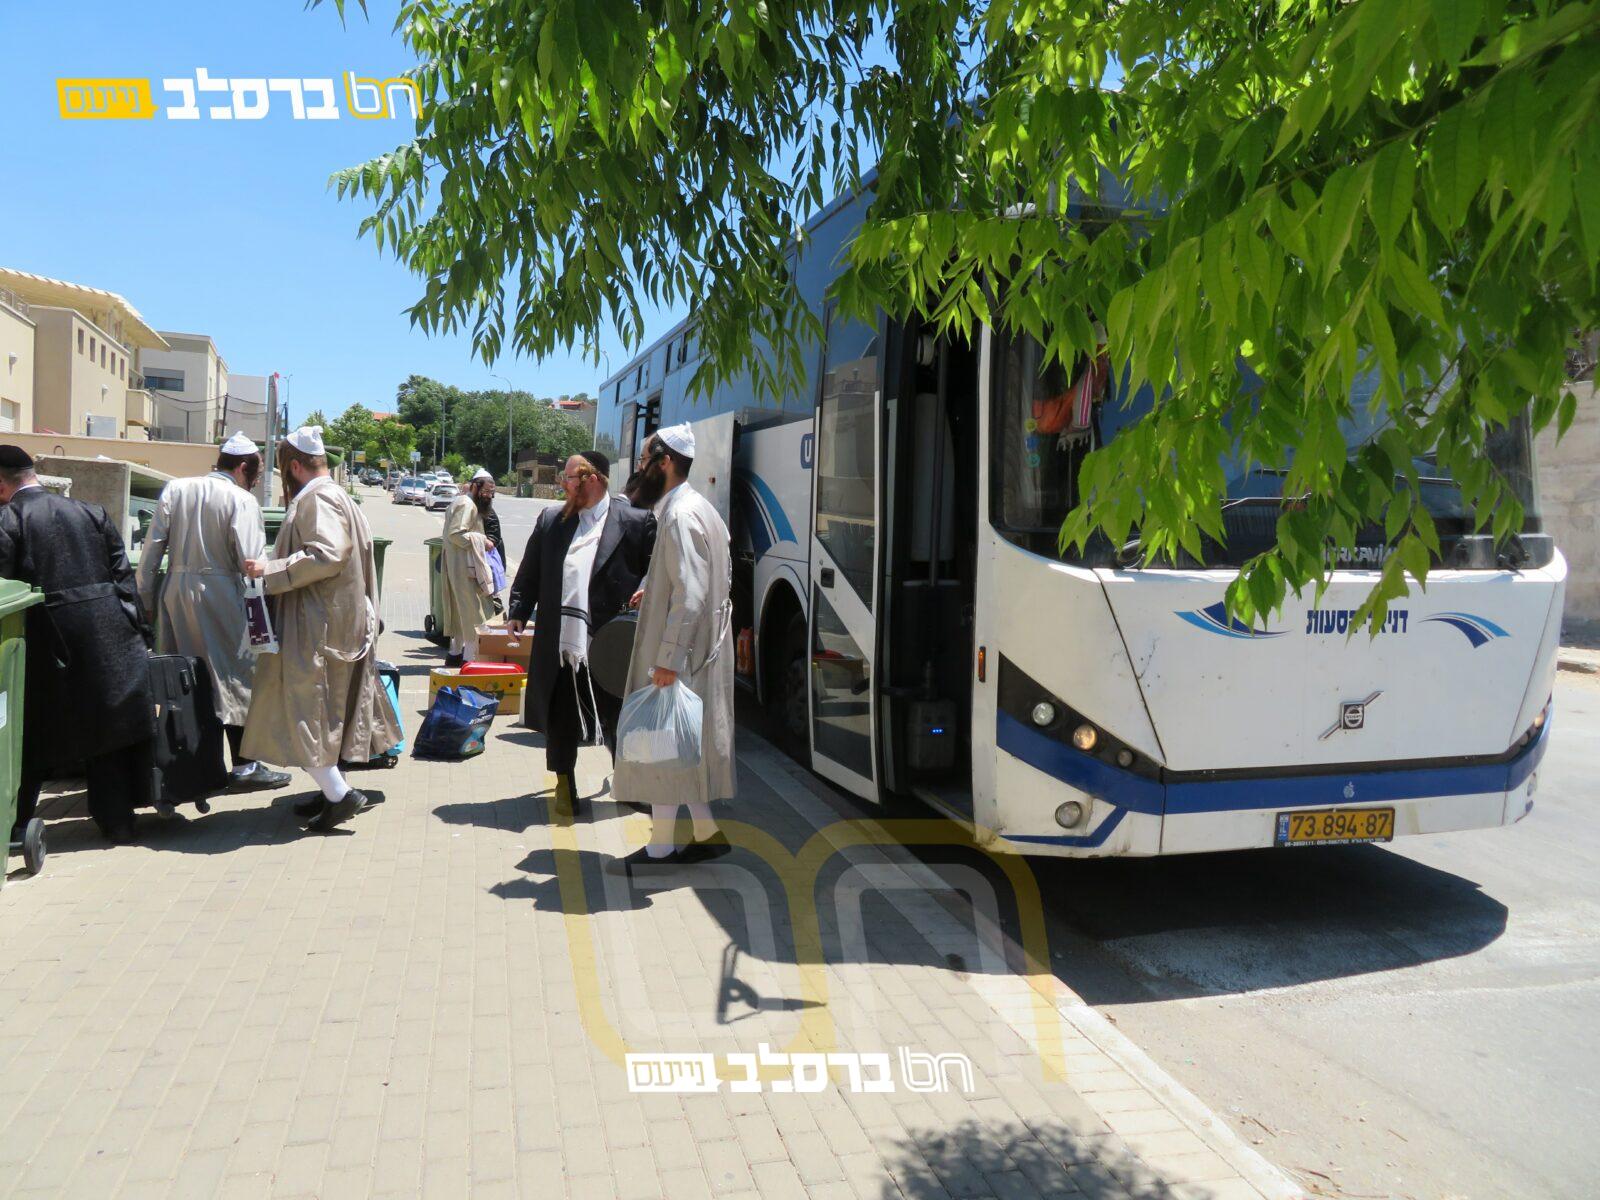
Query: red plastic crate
[[491, 668]]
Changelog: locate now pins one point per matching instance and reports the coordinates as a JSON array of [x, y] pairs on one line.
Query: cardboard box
[[508, 687], [498, 644]]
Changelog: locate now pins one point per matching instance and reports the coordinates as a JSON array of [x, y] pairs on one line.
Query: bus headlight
[[1069, 814], [1044, 713], [1085, 736]]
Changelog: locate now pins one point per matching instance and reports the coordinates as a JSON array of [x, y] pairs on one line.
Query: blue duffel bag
[[457, 724]]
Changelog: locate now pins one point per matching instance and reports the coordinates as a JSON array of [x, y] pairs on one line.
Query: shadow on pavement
[[1205, 925], [1013, 1160]]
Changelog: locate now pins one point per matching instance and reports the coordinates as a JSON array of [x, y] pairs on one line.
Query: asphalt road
[[1410, 1020], [1413, 1020]]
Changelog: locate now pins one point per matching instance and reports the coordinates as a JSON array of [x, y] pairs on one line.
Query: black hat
[[597, 460], [14, 458]]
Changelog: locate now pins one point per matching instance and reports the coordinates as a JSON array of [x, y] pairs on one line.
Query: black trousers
[[570, 714], [118, 782]]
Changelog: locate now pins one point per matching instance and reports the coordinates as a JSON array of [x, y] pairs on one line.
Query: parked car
[[411, 491], [392, 481], [440, 495]]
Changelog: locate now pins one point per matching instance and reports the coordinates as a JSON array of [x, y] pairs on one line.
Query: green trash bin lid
[[16, 596]]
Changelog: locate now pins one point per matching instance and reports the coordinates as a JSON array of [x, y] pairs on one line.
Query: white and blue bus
[[907, 618]]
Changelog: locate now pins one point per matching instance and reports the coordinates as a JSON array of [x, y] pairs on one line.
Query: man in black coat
[[88, 698], [583, 563]]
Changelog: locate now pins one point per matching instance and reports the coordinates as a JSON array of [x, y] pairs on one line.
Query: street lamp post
[[511, 465]]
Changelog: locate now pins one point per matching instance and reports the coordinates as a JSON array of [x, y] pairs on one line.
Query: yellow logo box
[[105, 99], [508, 687]]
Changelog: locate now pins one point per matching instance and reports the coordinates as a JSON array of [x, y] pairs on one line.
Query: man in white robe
[[685, 634], [318, 701], [206, 528], [466, 595]]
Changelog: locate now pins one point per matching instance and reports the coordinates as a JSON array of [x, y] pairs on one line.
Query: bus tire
[[786, 699]]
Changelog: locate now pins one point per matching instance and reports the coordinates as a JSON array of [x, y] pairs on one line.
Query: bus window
[[847, 453]]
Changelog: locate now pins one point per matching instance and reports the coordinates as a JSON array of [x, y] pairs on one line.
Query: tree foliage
[[1324, 190], [476, 422]]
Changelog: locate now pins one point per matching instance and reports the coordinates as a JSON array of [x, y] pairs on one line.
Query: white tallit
[[575, 573]]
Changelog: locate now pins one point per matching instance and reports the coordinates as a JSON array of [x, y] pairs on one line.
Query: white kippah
[[679, 438], [480, 473], [307, 439], [238, 444]]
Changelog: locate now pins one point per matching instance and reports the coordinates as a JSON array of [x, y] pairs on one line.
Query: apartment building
[[188, 379], [17, 337], [83, 345]]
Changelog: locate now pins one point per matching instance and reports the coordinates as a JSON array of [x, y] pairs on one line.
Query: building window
[[91, 349], [10, 413], [102, 355], [80, 341], [163, 381]]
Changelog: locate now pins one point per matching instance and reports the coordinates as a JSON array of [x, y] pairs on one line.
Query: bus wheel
[[787, 703]]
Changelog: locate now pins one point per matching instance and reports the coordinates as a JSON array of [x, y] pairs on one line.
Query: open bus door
[[842, 632]]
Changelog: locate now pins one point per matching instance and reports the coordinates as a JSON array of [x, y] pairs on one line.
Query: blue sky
[[227, 227]]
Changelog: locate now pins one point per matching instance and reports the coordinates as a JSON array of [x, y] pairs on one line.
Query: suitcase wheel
[[202, 806], [166, 808], [33, 850]]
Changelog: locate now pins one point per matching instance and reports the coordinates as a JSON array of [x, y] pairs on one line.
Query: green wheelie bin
[[433, 623], [15, 599]]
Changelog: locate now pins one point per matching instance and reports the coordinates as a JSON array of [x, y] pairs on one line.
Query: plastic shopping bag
[[259, 638], [457, 724], [660, 727]]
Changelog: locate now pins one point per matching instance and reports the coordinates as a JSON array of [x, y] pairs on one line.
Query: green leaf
[[1415, 287], [1393, 189], [1456, 24]]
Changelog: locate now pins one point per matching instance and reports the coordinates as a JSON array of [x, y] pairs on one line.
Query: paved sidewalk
[[440, 1000]]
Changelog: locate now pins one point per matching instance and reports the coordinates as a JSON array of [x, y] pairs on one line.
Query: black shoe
[[311, 807], [454, 662], [641, 858], [256, 778], [337, 812], [714, 846]]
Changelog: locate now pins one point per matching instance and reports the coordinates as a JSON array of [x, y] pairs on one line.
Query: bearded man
[[685, 635], [466, 599], [319, 699], [583, 562]]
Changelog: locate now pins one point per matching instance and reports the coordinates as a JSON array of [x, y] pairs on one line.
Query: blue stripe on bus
[[1135, 793], [1101, 780], [1081, 841], [782, 530]]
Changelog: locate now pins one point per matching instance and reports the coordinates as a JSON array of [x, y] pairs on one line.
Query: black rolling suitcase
[[187, 758]]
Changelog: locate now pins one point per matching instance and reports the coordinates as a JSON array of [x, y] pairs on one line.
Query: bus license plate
[[1335, 826]]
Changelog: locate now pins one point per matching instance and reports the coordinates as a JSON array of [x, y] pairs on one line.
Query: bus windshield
[[1047, 418]]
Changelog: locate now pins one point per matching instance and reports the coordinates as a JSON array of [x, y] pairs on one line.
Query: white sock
[[704, 826], [457, 646], [662, 842], [330, 781]]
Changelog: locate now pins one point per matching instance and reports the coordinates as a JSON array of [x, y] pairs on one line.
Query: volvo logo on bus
[[1352, 716]]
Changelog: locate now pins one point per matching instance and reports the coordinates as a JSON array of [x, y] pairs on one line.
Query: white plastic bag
[[660, 727], [258, 635]]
